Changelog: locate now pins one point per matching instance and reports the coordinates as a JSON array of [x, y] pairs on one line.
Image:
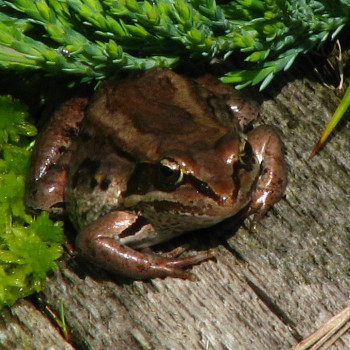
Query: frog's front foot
[[100, 243], [268, 149]]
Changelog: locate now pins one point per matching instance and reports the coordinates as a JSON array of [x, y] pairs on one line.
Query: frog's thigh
[[268, 148], [100, 243]]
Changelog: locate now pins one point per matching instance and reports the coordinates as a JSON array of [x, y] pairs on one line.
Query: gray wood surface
[[265, 290]]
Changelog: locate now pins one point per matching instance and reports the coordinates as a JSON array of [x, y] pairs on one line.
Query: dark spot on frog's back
[[62, 149], [88, 167], [59, 205], [58, 168], [72, 132], [165, 120], [104, 184], [91, 164], [93, 183], [85, 136]]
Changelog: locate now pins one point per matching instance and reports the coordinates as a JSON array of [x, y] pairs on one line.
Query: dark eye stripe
[[201, 187], [144, 180]]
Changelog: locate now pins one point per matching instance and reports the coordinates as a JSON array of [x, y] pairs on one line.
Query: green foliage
[[28, 246], [13, 122], [97, 38]]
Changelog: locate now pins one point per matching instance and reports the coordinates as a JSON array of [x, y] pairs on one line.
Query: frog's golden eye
[[170, 173]]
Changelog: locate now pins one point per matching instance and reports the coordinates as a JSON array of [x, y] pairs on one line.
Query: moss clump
[[28, 246]]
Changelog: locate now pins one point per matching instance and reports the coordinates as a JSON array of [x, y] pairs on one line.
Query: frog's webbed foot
[[268, 148], [51, 157], [100, 243], [175, 252]]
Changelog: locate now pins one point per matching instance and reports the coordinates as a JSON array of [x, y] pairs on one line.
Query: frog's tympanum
[[151, 157]]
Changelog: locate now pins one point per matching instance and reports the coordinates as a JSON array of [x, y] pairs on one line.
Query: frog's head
[[197, 187]]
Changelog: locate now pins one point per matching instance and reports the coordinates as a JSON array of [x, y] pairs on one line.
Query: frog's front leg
[[101, 243], [268, 149], [51, 156]]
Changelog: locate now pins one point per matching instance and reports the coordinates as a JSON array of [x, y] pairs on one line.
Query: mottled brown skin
[[157, 155]]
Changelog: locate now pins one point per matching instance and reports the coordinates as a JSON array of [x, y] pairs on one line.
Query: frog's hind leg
[[100, 243], [51, 157]]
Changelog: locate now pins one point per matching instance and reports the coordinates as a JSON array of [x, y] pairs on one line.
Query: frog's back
[[154, 113]]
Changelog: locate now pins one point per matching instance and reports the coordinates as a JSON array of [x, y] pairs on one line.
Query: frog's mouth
[[186, 202]]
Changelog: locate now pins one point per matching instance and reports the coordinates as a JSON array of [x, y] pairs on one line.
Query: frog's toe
[[173, 266]]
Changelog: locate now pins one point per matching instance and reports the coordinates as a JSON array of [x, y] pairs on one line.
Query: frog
[[150, 157]]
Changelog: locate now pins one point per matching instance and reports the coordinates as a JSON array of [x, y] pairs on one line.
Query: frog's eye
[[169, 173]]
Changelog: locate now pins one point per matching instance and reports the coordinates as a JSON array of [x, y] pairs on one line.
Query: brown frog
[[151, 157]]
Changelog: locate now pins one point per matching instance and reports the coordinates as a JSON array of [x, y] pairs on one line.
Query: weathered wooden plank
[[266, 289], [25, 327]]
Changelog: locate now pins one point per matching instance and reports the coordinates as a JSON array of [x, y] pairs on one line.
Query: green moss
[[28, 246]]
